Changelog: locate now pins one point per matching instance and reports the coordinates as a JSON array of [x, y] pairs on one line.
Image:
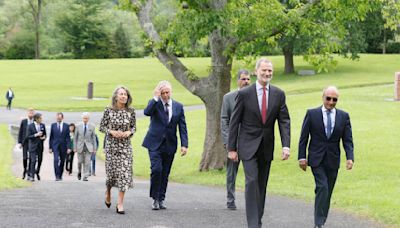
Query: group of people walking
[[65, 140], [248, 120]]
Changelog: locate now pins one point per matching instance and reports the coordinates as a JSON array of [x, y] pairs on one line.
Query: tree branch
[[187, 78]]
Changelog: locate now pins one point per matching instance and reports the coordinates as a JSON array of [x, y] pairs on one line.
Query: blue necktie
[[328, 124], [84, 131], [167, 112]]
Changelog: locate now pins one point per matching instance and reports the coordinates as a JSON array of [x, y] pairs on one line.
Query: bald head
[[330, 96]]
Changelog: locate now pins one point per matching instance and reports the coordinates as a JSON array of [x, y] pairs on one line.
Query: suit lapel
[[337, 120], [321, 120], [271, 101], [162, 112]]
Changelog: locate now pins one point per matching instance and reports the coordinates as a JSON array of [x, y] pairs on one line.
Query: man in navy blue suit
[[326, 126], [161, 139], [59, 144]]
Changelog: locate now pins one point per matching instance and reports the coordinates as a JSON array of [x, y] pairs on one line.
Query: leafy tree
[[21, 47], [233, 29], [123, 46], [84, 30]]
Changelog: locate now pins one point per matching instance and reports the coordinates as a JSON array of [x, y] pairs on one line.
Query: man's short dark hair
[[242, 71], [60, 113], [37, 116]]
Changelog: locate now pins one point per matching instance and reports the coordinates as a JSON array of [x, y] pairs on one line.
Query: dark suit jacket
[[58, 139], [35, 143], [10, 97], [23, 132], [252, 131], [160, 131], [320, 146]]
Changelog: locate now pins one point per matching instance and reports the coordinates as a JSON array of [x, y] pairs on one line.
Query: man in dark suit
[[23, 141], [228, 103], [9, 96], [36, 136], [161, 140], [326, 126], [257, 108], [60, 143]]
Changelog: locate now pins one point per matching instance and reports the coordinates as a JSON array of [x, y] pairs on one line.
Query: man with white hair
[[85, 145], [166, 115], [326, 126]]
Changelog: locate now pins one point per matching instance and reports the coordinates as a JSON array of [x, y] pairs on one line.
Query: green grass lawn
[[52, 84], [370, 189], [7, 180]]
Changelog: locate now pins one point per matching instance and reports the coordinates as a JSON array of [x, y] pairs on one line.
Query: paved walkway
[[73, 203]]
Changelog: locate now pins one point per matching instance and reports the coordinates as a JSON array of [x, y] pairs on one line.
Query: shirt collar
[[325, 109], [169, 102], [260, 87]]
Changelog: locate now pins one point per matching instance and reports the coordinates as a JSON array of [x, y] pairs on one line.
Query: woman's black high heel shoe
[[120, 212], [107, 204]]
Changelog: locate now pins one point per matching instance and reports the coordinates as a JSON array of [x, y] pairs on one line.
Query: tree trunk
[[384, 41], [209, 89], [289, 63]]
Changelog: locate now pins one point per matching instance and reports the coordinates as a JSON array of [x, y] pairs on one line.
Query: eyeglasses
[[245, 79], [334, 99]]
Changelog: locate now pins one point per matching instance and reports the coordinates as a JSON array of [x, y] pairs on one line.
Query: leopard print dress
[[118, 151]]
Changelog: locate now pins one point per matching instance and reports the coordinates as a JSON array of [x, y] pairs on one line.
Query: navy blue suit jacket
[[59, 140], [320, 146], [160, 130], [35, 143]]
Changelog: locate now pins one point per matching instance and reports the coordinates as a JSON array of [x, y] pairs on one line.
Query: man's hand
[[68, 151], [233, 155], [19, 145], [50, 151], [349, 164], [285, 154], [303, 164], [183, 151], [157, 92]]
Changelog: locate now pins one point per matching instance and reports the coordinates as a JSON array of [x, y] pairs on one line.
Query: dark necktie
[[84, 130], [166, 112], [264, 106], [328, 124], [59, 127]]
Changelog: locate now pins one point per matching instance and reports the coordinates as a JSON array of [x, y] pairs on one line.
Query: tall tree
[[36, 11], [234, 29], [122, 43], [83, 27]]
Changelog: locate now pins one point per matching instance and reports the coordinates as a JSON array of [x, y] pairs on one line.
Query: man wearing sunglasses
[[228, 103], [326, 126]]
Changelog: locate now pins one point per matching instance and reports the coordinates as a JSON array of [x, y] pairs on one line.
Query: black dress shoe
[[24, 175], [231, 206], [118, 211], [38, 177], [156, 205], [162, 205], [79, 176]]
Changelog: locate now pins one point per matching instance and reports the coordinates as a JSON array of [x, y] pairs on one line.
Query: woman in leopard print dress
[[119, 125]]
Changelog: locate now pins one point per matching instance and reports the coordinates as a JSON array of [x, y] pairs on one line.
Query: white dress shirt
[[325, 118], [259, 89]]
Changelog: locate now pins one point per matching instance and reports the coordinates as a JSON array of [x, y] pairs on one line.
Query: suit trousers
[[25, 157], [69, 161], [59, 161], [231, 173], [256, 173], [325, 180], [84, 161], [36, 155], [161, 163]]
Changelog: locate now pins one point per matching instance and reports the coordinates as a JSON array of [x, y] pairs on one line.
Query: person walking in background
[[9, 96], [228, 103], [59, 144], [70, 155], [326, 126], [85, 145], [23, 141], [252, 136], [36, 136], [119, 124], [166, 115]]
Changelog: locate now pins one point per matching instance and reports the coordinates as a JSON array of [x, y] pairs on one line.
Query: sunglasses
[[245, 79], [334, 99]]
